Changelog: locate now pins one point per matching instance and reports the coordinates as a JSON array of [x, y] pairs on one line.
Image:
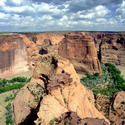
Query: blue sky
[[57, 15]]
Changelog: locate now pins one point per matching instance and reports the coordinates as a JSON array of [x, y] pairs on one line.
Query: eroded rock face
[[20, 52], [56, 89], [71, 118], [13, 55], [112, 48], [112, 108], [120, 122], [79, 48], [119, 100], [118, 106]]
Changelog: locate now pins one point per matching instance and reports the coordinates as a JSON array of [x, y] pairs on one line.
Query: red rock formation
[[112, 49], [55, 89], [79, 48], [113, 109], [71, 118], [20, 52], [13, 55]]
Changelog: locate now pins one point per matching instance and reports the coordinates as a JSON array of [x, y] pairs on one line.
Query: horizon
[[62, 31], [62, 15]]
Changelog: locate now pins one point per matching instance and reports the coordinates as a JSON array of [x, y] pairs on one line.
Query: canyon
[[58, 61], [85, 50]]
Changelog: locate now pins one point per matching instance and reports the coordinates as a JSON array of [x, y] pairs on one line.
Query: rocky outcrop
[[20, 52], [112, 108], [119, 122], [80, 49], [55, 89], [13, 55], [111, 48], [71, 118], [118, 106], [119, 100]]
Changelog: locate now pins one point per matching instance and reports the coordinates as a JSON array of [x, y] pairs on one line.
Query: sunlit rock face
[[20, 52], [80, 49], [13, 55], [54, 89]]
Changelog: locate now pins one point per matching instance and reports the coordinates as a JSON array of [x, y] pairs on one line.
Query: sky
[[62, 15]]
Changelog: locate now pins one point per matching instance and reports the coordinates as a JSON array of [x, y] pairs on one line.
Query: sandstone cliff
[[13, 55], [20, 52], [23, 50], [80, 49], [55, 89], [111, 47]]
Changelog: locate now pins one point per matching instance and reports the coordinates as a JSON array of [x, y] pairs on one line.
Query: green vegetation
[[8, 114], [7, 99], [9, 109], [53, 121], [5, 82], [11, 87], [14, 83], [108, 83], [10, 97], [65, 100]]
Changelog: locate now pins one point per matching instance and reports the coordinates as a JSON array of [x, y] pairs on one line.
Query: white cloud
[[17, 2], [121, 9], [19, 9], [2, 2], [49, 8], [2, 15], [99, 11], [73, 14], [100, 20]]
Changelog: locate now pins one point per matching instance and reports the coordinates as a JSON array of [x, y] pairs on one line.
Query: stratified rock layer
[[20, 52], [111, 47], [80, 49], [13, 55], [55, 89]]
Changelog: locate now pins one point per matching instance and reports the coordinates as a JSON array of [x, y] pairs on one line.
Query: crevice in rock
[[54, 62], [45, 78], [32, 116], [43, 51], [99, 52]]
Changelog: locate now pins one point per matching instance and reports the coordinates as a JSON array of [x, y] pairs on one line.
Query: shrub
[[110, 75], [11, 87], [19, 79], [10, 97], [8, 114], [14, 83]]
